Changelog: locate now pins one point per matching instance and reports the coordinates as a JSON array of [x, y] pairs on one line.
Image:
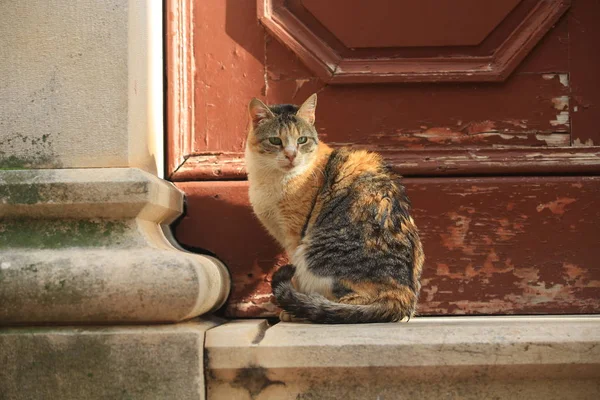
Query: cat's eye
[[302, 139], [275, 141]]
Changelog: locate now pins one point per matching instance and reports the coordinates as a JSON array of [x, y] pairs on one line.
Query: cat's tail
[[318, 309]]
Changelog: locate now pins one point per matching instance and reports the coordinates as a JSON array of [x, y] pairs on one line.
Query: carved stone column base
[[87, 246]]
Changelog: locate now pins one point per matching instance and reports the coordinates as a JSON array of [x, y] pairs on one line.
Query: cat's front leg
[[285, 274]]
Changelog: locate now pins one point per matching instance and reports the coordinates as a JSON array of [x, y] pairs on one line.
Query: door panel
[[504, 232], [493, 245], [393, 23], [407, 41]]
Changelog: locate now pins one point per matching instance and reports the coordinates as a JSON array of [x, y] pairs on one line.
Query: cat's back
[[363, 230], [360, 190], [363, 172]]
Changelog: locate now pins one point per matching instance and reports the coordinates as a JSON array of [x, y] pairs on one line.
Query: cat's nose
[[290, 154]]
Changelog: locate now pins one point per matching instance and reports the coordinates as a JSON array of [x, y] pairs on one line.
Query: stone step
[[553, 357], [149, 362]]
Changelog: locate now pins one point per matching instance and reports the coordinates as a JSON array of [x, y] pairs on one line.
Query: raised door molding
[[408, 41], [179, 58]]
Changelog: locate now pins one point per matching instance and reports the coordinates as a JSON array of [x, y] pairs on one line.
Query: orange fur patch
[[399, 299], [418, 261], [299, 195]]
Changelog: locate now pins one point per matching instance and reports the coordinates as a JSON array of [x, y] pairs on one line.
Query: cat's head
[[283, 137]]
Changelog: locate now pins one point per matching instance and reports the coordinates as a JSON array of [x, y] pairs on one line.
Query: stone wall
[[75, 84], [84, 215]]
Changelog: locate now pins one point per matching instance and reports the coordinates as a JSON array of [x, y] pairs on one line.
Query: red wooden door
[[489, 109]]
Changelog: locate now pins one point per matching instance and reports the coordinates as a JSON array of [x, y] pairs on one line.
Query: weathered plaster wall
[[63, 69], [76, 85]]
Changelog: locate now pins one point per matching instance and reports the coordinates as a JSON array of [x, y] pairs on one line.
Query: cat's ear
[[259, 112], [308, 108]]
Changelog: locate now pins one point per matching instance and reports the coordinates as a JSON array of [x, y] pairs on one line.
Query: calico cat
[[341, 215]]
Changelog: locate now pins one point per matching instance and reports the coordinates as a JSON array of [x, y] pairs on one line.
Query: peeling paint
[[505, 231], [457, 234], [578, 276], [561, 103], [557, 206], [299, 84], [519, 123], [430, 292], [479, 189], [577, 142], [481, 127], [562, 118], [262, 301], [562, 78], [444, 270], [572, 271]]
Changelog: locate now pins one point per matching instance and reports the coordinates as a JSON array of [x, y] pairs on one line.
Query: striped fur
[[342, 216]]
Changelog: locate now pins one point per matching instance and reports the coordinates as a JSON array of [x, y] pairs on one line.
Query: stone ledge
[[130, 362], [90, 246], [88, 193], [454, 357]]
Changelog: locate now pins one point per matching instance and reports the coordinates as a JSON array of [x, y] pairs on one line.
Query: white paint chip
[[562, 118], [579, 143], [561, 103], [4, 265], [564, 79]]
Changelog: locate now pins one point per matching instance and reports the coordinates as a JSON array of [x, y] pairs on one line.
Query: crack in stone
[[264, 325]]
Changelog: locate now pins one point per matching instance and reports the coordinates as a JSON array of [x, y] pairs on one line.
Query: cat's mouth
[[287, 166]]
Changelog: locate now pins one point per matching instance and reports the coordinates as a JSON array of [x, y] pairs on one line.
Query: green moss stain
[[20, 194], [53, 234], [13, 162], [14, 191], [22, 151]]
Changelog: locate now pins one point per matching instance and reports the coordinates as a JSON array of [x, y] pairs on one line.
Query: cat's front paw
[[285, 316]]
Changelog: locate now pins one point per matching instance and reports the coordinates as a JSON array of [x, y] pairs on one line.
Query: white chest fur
[[266, 192], [268, 187]]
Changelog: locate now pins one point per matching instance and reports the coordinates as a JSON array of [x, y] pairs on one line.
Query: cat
[[342, 216]]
